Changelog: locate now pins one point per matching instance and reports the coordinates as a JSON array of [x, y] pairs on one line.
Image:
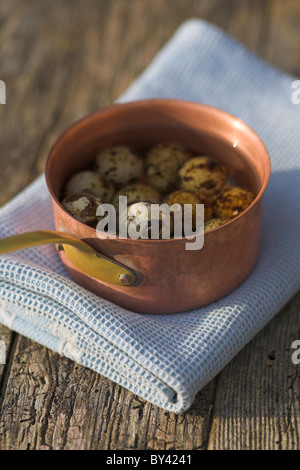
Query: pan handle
[[82, 255]]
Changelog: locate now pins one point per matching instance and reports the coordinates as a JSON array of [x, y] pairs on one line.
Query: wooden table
[[60, 61]]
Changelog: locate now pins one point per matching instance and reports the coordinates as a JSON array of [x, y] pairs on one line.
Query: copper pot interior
[[79, 149]]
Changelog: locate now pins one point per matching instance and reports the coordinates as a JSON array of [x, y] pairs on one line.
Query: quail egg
[[214, 223], [203, 175], [139, 221], [83, 206], [188, 197], [137, 192], [162, 164], [120, 165], [231, 202], [90, 181]]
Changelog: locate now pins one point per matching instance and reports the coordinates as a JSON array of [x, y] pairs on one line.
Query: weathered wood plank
[[257, 402], [282, 48], [36, 80], [52, 403], [6, 339]]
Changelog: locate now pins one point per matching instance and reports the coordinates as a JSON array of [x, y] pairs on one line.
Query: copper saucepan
[[158, 276]]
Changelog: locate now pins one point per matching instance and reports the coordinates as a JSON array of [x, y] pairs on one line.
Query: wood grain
[[60, 61], [257, 404]]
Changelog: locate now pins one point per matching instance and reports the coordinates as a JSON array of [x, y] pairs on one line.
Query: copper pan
[[166, 277]]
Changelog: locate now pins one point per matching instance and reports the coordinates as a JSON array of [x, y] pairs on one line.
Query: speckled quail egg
[[214, 223], [137, 192], [231, 202], [203, 175], [162, 164], [120, 165], [83, 206], [188, 197], [140, 222], [90, 181]]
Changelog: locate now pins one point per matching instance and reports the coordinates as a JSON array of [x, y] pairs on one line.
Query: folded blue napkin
[[167, 359]]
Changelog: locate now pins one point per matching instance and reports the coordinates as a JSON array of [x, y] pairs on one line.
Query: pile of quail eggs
[[169, 174]]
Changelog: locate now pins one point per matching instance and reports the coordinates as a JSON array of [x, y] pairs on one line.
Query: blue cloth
[[167, 359]]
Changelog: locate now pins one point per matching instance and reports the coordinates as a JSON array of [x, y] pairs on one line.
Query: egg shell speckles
[[188, 197], [90, 181], [120, 165], [162, 164], [137, 192], [214, 223], [140, 214], [203, 175], [83, 207], [231, 202]]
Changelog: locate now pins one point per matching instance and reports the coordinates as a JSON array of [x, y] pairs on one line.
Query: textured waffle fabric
[[167, 359]]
